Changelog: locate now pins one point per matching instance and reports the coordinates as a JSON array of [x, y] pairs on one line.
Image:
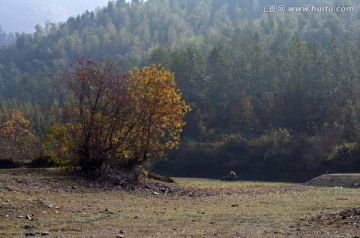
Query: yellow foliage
[[59, 143], [15, 129], [159, 110]]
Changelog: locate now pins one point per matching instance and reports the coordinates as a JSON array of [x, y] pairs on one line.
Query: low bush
[[9, 164], [43, 162]]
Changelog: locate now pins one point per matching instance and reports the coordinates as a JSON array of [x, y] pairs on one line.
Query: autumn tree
[[16, 138], [97, 115], [159, 114], [130, 118]]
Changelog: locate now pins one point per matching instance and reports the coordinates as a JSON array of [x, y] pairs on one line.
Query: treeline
[[274, 96], [6, 38]]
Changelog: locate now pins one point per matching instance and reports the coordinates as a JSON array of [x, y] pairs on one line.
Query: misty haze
[[161, 118]]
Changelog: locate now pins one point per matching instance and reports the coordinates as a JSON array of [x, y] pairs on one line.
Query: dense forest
[[273, 95]]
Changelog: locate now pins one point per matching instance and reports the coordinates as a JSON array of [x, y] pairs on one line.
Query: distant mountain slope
[[127, 32], [123, 30]]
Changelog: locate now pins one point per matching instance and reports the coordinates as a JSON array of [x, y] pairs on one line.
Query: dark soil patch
[[345, 220], [336, 180], [59, 180]]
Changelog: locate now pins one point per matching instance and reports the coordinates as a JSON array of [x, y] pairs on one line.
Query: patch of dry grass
[[224, 209]]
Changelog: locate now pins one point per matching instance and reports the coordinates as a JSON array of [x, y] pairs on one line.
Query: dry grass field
[[42, 203]]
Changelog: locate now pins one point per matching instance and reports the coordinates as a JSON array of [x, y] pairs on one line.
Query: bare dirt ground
[[50, 203], [336, 180]]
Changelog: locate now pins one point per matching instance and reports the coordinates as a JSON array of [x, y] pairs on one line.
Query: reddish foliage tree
[[132, 118]]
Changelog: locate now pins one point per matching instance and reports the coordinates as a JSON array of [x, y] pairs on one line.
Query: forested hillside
[[273, 95]]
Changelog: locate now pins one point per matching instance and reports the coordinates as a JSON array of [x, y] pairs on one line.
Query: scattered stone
[[156, 193], [235, 205], [45, 202], [29, 217], [30, 234], [28, 227], [346, 214], [165, 189], [160, 178], [20, 216], [74, 187], [45, 233], [120, 236], [230, 177], [108, 211]]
